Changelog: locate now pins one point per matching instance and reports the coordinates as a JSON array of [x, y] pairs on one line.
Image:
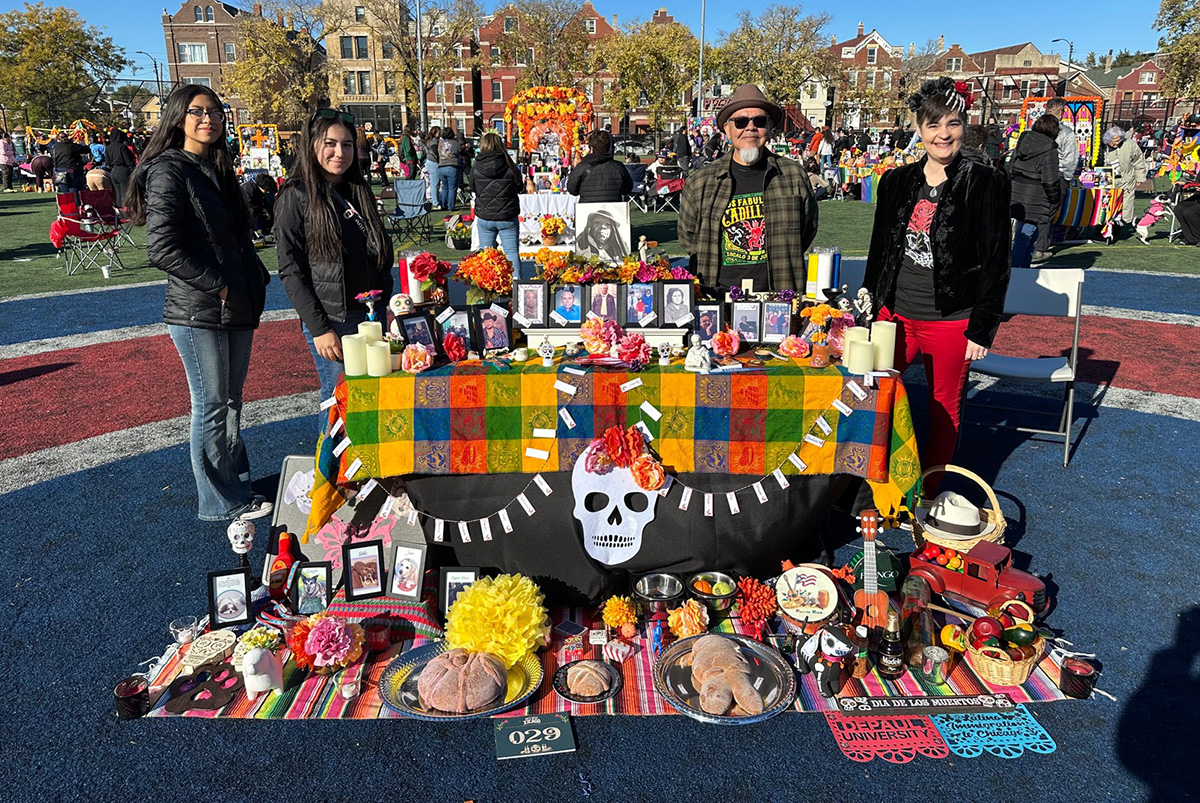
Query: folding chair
[[86, 236], [637, 197], [410, 221], [105, 204], [668, 187], [1050, 292]]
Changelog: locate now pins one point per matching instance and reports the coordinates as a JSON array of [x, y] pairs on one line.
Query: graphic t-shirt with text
[[743, 229]]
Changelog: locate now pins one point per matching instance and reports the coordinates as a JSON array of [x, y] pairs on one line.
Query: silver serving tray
[[769, 673]]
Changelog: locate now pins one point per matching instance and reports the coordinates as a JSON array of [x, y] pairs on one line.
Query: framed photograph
[[529, 302], [776, 321], [418, 328], [602, 230], [229, 598], [453, 580], [677, 300], [408, 571], [458, 322], [603, 302], [640, 303], [491, 327], [363, 569], [312, 588], [745, 319], [567, 307], [709, 320]]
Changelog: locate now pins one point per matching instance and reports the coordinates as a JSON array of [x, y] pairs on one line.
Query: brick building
[[1008, 75], [201, 39], [1137, 97], [872, 65]]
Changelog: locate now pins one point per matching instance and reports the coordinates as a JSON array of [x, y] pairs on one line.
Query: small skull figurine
[[545, 349], [664, 353], [241, 536], [401, 304]]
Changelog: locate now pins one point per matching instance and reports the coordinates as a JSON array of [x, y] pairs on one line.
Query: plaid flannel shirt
[[788, 206]]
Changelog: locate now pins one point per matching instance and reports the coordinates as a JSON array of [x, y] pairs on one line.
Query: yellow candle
[[372, 331], [379, 359], [810, 289], [354, 355], [856, 333], [883, 338], [860, 356]]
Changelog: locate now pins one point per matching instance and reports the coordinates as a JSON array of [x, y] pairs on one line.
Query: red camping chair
[[86, 231], [105, 204]]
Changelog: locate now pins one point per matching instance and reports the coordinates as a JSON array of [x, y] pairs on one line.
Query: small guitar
[[870, 601]]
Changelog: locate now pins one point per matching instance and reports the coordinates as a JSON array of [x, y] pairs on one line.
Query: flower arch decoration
[[560, 109]]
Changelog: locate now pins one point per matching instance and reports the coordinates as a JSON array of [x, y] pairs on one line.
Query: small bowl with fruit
[[715, 589]]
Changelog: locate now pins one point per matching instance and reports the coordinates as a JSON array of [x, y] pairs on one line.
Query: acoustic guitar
[[870, 601]]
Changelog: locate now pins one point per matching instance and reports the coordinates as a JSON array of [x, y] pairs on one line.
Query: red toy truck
[[986, 577]]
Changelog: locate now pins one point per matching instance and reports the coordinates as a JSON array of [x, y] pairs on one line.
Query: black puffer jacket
[[497, 185], [1034, 170], [970, 237], [599, 178], [203, 245]]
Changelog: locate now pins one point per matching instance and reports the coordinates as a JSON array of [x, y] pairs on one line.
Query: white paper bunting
[[439, 530], [842, 407], [565, 415], [731, 499], [485, 526], [464, 532], [353, 469], [636, 382], [823, 425], [341, 447], [505, 521], [797, 462], [537, 454], [708, 505], [686, 498], [564, 387], [650, 410], [760, 493], [542, 485], [525, 504], [332, 400], [858, 392], [780, 478]]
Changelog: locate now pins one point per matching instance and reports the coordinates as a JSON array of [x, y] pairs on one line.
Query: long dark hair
[[323, 229], [168, 135]]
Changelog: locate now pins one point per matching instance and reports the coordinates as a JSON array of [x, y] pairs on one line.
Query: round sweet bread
[[588, 679]]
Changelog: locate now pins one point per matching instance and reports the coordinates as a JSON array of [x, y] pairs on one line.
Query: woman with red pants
[[939, 260]]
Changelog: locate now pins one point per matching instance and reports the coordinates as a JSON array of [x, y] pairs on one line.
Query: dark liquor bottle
[[890, 663]]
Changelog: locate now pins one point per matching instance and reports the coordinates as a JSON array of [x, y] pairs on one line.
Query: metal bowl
[[716, 603], [658, 592]]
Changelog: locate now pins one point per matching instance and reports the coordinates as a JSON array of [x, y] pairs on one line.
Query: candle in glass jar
[[860, 356], [372, 331], [810, 288], [883, 338], [354, 355], [824, 270], [379, 359], [411, 282]]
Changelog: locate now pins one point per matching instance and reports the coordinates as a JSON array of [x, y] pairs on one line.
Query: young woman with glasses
[[198, 231], [330, 240]]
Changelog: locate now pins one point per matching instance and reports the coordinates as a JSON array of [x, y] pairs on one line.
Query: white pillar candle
[[413, 283], [853, 333], [379, 359], [860, 356], [354, 355], [883, 338], [372, 331], [824, 271]]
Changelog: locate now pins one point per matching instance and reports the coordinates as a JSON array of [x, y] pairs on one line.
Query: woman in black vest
[[497, 182], [198, 231]]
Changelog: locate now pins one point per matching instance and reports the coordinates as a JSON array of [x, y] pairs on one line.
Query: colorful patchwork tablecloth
[[1089, 207]]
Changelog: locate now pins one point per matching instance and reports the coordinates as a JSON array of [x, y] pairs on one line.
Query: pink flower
[[612, 333], [726, 344], [596, 459], [416, 358], [329, 642], [793, 346], [634, 350], [682, 274], [646, 273]]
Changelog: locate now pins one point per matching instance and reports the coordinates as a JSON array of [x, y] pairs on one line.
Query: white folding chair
[[1050, 292]]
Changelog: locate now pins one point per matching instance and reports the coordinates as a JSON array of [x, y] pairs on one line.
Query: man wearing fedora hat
[[749, 214]]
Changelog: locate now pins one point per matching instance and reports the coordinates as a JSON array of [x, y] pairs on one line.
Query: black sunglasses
[[333, 114], [759, 120]]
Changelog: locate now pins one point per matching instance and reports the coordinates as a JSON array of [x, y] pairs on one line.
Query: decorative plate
[[398, 685], [806, 593], [616, 681], [769, 673]]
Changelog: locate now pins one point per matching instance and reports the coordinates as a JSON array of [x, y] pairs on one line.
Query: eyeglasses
[[333, 114], [759, 120], [212, 114]]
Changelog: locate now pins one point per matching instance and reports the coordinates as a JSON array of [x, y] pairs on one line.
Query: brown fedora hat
[[749, 96]]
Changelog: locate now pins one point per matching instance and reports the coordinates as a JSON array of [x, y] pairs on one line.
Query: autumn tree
[[53, 63], [563, 52], [1179, 21], [654, 65]]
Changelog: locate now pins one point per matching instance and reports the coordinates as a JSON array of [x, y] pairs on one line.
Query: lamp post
[[1070, 64], [157, 75], [700, 76], [421, 71]]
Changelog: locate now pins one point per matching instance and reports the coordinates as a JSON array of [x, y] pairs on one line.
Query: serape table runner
[[1089, 207]]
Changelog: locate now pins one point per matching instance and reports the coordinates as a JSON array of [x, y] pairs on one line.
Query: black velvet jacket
[[970, 236]]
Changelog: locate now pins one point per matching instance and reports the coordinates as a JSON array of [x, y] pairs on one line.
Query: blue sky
[[1092, 24]]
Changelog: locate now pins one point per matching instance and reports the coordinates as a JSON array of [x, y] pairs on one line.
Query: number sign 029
[[520, 737]]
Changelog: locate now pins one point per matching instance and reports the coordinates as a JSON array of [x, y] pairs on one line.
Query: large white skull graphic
[[613, 510]]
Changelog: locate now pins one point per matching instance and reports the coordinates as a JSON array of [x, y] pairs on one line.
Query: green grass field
[[28, 261]]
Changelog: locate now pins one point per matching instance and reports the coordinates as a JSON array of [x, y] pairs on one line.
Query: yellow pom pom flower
[[618, 611], [505, 616], [689, 619]]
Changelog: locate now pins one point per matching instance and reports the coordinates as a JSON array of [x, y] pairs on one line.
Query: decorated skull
[[613, 510], [401, 304], [241, 536]]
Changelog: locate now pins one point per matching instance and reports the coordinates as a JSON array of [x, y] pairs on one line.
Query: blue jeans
[[448, 179], [1024, 239], [508, 232], [328, 371], [216, 362]]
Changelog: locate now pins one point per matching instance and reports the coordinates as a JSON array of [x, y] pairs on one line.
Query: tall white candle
[[883, 338], [379, 359], [372, 331], [824, 271], [354, 355], [856, 333], [414, 284], [860, 356]]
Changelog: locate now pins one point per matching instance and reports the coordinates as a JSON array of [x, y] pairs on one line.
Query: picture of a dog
[[406, 576], [365, 574]]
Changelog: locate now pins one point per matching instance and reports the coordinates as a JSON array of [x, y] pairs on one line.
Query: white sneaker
[[257, 508]]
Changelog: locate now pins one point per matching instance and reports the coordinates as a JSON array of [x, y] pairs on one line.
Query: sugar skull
[[613, 510], [401, 304], [241, 536]]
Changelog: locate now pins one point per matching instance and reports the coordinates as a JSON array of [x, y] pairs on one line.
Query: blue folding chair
[[410, 221]]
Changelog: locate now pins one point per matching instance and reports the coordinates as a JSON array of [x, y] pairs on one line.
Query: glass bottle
[[890, 662]]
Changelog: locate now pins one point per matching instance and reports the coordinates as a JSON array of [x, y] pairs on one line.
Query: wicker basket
[[997, 667], [921, 537]]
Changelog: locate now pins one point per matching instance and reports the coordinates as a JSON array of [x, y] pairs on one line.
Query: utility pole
[[157, 74], [700, 76]]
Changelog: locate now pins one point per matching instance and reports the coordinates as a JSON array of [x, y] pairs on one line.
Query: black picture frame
[[536, 314], [775, 332], [631, 295], [673, 315], [592, 295], [296, 593], [356, 587], [556, 307], [707, 327], [229, 603], [409, 328], [460, 322], [456, 575], [487, 337], [407, 583], [751, 312]]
